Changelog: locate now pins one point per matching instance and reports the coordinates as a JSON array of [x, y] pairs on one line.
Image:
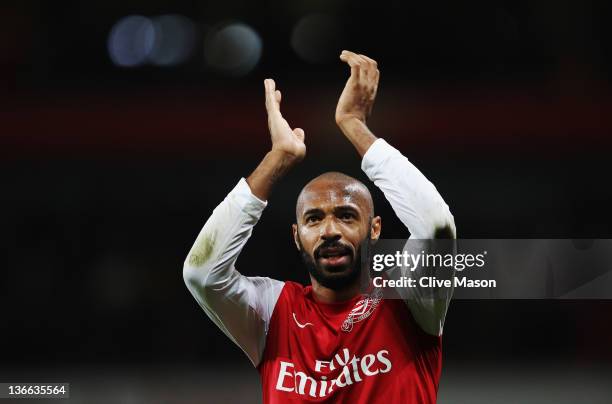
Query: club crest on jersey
[[362, 310]]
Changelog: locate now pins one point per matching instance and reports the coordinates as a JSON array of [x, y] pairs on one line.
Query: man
[[327, 342]]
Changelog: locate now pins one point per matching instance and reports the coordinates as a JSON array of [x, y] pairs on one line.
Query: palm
[[349, 103], [284, 139], [357, 98]]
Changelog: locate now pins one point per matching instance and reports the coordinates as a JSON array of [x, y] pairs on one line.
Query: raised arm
[[241, 306], [288, 146], [357, 99], [414, 199]]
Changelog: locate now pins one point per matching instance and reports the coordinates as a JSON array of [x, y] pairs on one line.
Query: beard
[[339, 277]]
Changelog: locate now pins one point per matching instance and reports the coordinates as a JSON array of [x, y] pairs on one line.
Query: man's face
[[334, 220]]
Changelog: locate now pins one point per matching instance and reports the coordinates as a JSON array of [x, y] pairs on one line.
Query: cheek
[[308, 237], [355, 234]]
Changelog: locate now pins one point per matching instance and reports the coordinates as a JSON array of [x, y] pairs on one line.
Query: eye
[[312, 219], [347, 216]]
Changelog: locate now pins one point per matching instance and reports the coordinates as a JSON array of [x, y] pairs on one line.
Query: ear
[[294, 230], [376, 228]]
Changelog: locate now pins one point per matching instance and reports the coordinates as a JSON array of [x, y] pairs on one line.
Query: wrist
[[282, 158], [350, 122], [358, 133], [272, 168]]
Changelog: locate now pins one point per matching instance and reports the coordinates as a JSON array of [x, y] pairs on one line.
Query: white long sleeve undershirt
[[242, 306]]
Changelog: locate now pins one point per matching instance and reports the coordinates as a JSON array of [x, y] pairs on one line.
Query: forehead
[[330, 194]]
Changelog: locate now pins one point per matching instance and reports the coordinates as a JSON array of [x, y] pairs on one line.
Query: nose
[[330, 231]]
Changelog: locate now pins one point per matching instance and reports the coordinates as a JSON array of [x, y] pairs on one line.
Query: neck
[[327, 295]]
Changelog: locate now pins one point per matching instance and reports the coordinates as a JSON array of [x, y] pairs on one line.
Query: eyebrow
[[312, 211], [346, 207], [336, 209]]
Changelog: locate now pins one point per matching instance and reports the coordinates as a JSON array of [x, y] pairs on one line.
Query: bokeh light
[[233, 49], [131, 40], [317, 38], [175, 37]]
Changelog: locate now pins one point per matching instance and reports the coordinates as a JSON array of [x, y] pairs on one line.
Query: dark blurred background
[[123, 124]]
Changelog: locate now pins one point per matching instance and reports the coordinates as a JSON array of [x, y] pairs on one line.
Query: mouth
[[334, 256]]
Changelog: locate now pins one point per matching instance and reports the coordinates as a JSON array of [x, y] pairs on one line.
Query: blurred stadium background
[[123, 124]]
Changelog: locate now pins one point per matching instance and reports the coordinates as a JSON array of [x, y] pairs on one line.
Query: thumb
[[299, 133]]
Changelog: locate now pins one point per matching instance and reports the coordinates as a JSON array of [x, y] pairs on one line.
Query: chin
[[337, 277]]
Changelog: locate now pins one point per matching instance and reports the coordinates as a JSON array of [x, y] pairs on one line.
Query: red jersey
[[365, 350]]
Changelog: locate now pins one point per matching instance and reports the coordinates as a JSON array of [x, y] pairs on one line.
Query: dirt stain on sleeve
[[444, 232], [203, 249]]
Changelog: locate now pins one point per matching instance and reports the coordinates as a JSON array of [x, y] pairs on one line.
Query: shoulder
[[290, 296], [294, 286], [294, 290]]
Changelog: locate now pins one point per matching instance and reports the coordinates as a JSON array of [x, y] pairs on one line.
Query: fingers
[[360, 64], [353, 58], [272, 99], [369, 60], [277, 95], [353, 61]]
